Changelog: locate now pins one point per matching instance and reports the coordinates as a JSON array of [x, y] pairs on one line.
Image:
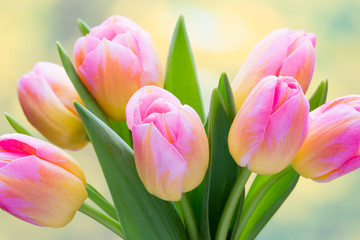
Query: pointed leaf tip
[[84, 28], [16, 125], [181, 78], [319, 96]]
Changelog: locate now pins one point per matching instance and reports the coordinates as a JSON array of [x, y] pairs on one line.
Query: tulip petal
[[109, 75], [192, 144], [265, 59], [300, 64], [57, 79], [19, 143], [79, 51], [160, 166], [248, 128], [348, 167], [285, 132], [152, 73], [333, 139], [44, 111], [140, 102], [39, 192]]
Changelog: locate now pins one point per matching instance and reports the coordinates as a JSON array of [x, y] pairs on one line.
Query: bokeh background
[[222, 33]]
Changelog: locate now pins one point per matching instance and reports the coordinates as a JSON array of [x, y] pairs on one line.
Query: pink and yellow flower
[[114, 60], [46, 95], [271, 126], [39, 183], [281, 53], [332, 146], [170, 144]]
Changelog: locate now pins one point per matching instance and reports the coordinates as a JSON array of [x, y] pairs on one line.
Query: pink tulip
[[39, 183], [46, 96], [332, 146], [281, 53], [271, 125], [114, 60], [170, 145]]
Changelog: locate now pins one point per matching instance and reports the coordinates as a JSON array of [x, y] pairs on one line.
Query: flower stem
[[100, 201], [102, 218], [189, 218], [231, 203]]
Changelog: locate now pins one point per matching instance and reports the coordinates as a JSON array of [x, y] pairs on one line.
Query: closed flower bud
[[332, 146], [281, 53], [114, 60], [46, 95], [170, 144], [271, 125], [39, 183]]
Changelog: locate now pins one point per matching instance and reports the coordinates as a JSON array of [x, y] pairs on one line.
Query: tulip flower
[[331, 148], [39, 183], [46, 95], [114, 60], [271, 126], [170, 144], [281, 53]]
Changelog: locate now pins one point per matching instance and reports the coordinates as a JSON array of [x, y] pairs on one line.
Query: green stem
[[100, 201], [189, 218], [231, 203], [102, 218], [254, 203]]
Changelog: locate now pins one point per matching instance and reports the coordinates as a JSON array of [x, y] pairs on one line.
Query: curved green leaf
[[221, 175], [228, 96], [16, 125], [181, 78], [319, 96], [84, 28], [265, 197], [141, 215]]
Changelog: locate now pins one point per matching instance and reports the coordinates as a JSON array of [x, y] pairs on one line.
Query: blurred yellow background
[[222, 33]]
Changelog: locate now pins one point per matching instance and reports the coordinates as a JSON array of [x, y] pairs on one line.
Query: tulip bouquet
[[173, 172]]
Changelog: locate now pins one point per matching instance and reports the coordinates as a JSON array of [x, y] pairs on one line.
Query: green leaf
[[16, 125], [84, 28], [319, 96], [222, 170], [123, 131], [83, 92], [141, 215], [265, 197], [181, 79], [228, 96]]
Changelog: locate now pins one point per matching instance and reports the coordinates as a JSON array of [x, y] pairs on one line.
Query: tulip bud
[[46, 96], [331, 148], [170, 144], [271, 125], [114, 60], [281, 53], [39, 183]]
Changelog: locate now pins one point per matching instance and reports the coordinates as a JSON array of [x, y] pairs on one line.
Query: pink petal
[[23, 144], [300, 64], [39, 192], [265, 59], [139, 103], [286, 131], [333, 139], [111, 73], [249, 125], [192, 144], [48, 114], [160, 166]]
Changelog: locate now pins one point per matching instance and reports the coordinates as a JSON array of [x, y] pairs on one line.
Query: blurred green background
[[222, 34]]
